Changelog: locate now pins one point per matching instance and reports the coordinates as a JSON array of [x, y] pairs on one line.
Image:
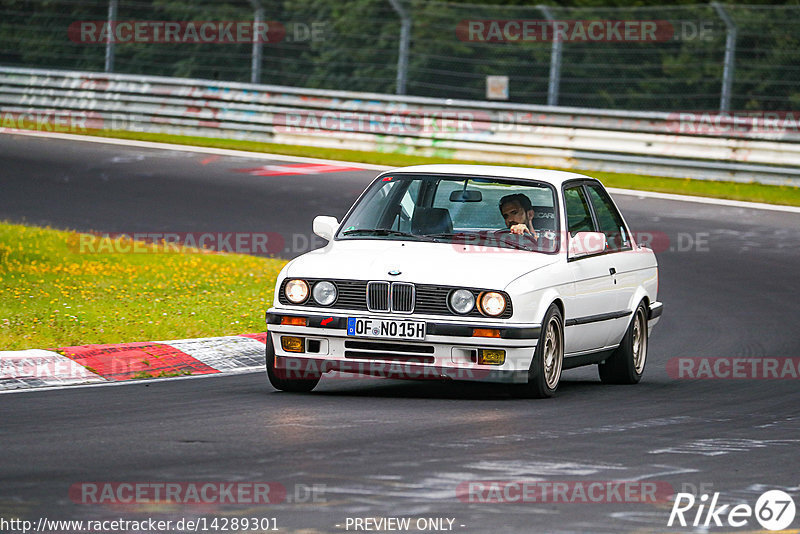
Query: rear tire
[[548, 359], [626, 364], [279, 380]]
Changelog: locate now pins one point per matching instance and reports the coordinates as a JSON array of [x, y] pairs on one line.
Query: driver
[[518, 214]]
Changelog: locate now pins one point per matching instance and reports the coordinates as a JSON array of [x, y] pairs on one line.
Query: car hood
[[419, 262]]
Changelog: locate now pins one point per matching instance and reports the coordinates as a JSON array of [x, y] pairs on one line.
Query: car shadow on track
[[429, 389]]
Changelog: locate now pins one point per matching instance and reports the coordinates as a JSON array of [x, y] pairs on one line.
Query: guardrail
[[695, 145]]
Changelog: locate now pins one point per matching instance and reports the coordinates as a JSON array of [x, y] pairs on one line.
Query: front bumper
[[654, 315], [449, 351], [655, 310]]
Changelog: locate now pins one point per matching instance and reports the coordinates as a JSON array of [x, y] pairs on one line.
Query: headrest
[[544, 218], [431, 221]]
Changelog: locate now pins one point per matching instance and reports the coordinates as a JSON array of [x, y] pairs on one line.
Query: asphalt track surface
[[385, 448]]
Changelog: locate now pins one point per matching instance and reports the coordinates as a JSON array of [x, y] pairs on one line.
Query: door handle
[[612, 271]]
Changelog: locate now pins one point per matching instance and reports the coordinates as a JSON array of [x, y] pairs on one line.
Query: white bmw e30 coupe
[[468, 272]]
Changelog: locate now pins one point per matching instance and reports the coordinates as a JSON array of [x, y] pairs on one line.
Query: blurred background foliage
[[357, 49]]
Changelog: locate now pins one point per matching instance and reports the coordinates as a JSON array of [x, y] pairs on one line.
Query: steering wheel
[[507, 231], [505, 235]]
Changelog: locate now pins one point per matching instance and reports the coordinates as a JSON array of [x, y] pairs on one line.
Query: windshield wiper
[[386, 231], [477, 238], [451, 234], [515, 243], [465, 236]]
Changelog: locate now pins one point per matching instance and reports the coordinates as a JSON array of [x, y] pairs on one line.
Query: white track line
[[190, 148], [366, 166], [705, 200]]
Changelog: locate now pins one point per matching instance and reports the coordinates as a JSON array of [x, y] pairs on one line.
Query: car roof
[[544, 175]]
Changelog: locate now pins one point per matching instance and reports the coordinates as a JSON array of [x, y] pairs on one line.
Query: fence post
[[730, 52], [402, 53], [112, 16], [255, 61], [555, 61]]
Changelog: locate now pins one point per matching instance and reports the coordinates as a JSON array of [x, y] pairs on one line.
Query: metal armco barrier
[[688, 145]]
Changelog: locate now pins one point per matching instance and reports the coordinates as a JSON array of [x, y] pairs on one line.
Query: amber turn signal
[[294, 321], [485, 332]]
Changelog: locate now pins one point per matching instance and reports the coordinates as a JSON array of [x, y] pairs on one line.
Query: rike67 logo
[[774, 510]]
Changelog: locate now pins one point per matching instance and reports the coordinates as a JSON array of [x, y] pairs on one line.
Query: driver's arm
[[521, 229]]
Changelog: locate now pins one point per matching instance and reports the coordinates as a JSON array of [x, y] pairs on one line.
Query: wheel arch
[[549, 297], [560, 305], [639, 296]]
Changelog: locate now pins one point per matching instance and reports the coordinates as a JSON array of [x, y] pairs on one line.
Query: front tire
[[626, 364], [278, 378], [548, 359]]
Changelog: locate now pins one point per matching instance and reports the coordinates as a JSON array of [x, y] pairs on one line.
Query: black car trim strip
[[432, 328], [597, 318], [314, 321]]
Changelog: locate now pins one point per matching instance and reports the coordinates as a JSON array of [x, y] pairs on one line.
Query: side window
[[608, 218], [579, 219]]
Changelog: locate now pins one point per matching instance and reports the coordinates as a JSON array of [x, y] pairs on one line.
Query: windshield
[[496, 212]]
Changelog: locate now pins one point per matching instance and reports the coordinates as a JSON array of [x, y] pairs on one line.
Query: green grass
[[53, 295], [752, 192]]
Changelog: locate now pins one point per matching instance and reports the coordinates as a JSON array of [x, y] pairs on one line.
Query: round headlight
[[296, 291], [493, 303], [324, 293], [462, 301]]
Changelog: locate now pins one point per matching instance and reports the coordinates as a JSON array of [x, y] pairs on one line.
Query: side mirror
[[586, 244], [325, 227]]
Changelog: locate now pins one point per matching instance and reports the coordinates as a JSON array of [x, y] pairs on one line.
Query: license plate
[[385, 328]]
